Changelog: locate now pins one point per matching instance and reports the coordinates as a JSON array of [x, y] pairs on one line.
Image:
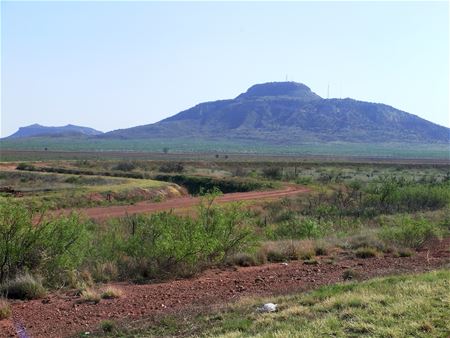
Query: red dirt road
[[61, 314], [101, 213]]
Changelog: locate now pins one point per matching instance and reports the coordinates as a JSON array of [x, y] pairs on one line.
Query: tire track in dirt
[[102, 213]]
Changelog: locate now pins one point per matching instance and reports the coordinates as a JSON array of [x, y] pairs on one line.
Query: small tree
[[49, 246]]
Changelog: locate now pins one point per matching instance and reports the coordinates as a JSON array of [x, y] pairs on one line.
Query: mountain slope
[[36, 130], [289, 112]]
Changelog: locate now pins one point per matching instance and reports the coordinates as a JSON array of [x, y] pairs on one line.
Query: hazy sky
[[112, 65]]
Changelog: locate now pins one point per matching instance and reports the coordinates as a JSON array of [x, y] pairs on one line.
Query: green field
[[389, 150]]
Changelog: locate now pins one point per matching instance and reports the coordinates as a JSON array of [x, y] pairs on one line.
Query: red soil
[[61, 315], [101, 213]]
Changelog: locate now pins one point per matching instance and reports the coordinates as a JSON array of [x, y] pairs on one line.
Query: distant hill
[[36, 130], [289, 112]]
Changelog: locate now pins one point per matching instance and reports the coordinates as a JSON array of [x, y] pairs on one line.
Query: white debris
[[269, 307], [284, 264]]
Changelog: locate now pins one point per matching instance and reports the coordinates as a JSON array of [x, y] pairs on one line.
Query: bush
[[172, 167], [25, 166], [5, 309], [304, 180], [273, 173], [107, 326], [163, 244], [125, 166], [199, 185], [409, 233], [23, 287], [50, 247], [396, 194]]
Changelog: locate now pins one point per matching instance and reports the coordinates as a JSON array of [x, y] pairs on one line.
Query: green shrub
[[125, 166], [5, 309], [172, 167], [273, 173], [23, 287], [49, 248], [198, 185], [408, 232], [304, 180], [25, 166], [164, 244], [107, 326]]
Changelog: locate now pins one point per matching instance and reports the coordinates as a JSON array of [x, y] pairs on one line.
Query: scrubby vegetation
[[138, 247], [353, 211]]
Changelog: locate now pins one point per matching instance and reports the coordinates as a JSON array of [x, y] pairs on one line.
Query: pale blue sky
[[112, 65]]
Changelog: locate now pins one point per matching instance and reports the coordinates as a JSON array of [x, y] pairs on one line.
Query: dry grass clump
[[366, 252], [105, 272], [366, 240], [281, 251], [405, 252], [111, 292], [243, 259], [23, 287], [5, 309], [351, 274], [90, 296]]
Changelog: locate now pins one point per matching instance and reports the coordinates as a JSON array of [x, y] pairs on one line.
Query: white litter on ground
[[268, 307]]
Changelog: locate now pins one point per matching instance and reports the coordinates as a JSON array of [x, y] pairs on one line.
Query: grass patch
[[5, 309], [350, 274], [107, 326], [90, 296], [23, 287], [111, 292], [366, 252]]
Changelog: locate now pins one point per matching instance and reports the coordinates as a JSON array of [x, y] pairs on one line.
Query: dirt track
[[101, 213], [61, 315]]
